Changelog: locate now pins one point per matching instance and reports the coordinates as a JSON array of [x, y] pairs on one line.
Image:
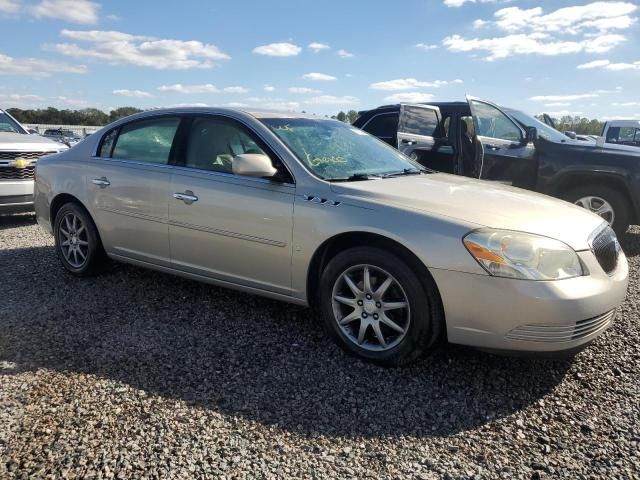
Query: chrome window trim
[[222, 175]]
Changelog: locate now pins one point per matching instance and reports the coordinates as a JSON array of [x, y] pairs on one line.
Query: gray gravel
[[136, 374]]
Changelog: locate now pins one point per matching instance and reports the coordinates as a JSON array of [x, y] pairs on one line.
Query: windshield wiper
[[406, 171], [356, 177]]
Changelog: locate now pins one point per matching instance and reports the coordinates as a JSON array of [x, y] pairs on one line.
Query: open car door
[[417, 128], [503, 153]]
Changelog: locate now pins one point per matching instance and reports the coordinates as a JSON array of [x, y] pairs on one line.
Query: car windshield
[[544, 130], [7, 124], [334, 151]]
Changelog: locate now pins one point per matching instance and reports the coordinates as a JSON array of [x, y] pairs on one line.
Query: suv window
[[418, 121], [146, 140], [493, 123], [383, 125]]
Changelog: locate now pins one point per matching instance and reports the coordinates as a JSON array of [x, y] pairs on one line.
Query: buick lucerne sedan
[[316, 212]]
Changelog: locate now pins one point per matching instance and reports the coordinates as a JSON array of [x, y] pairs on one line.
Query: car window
[[107, 143], [214, 142], [492, 123], [626, 134], [8, 125], [637, 135], [418, 121], [383, 125], [146, 141]]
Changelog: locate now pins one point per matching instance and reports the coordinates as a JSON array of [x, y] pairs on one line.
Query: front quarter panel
[[436, 241]]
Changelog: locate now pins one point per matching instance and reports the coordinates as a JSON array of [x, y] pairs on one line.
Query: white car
[[621, 132], [19, 152]]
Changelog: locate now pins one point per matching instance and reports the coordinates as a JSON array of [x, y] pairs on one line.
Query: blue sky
[[564, 57]]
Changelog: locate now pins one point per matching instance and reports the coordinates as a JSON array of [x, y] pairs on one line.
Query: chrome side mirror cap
[[253, 165]]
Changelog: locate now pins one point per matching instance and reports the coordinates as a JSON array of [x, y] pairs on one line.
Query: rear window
[[383, 125]]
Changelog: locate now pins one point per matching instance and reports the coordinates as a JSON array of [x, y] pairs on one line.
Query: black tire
[[621, 207], [424, 314], [95, 256]]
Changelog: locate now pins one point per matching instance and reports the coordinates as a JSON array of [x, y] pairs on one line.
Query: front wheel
[[376, 307], [609, 204]]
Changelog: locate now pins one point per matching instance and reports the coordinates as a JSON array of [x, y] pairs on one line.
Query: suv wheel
[[377, 308], [611, 205], [77, 241]]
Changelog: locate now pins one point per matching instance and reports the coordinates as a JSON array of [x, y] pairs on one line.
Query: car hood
[[481, 203], [27, 143]]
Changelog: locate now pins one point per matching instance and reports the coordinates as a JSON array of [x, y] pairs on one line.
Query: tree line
[[580, 125], [85, 117]]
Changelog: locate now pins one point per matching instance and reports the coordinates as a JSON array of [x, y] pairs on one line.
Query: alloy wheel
[[599, 206], [74, 240], [371, 308]]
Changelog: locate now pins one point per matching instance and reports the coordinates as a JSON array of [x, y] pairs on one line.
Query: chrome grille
[[606, 249], [25, 155], [538, 332], [13, 173]]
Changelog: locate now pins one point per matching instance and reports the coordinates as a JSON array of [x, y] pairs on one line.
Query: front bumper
[[531, 316], [16, 196]]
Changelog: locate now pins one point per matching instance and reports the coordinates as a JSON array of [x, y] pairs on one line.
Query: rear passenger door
[[417, 128], [128, 188], [229, 227]]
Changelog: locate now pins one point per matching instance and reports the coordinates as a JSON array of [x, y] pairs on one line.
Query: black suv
[[482, 140]]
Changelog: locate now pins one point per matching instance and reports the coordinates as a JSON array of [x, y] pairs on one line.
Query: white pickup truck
[[622, 132], [19, 152]]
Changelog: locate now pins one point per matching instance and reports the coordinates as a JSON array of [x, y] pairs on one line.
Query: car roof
[[442, 105], [624, 123], [257, 113]]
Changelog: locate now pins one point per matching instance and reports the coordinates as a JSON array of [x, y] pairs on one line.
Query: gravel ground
[[136, 374]]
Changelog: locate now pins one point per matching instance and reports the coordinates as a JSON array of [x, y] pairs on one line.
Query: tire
[[81, 236], [617, 200], [420, 320]]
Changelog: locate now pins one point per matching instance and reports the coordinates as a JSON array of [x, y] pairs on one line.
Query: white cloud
[[272, 103], [332, 100], [459, 3], [198, 89], [410, 97], [586, 28], [563, 98], [189, 89], [36, 67], [269, 88], [626, 104], [426, 46], [303, 90], [608, 65], [557, 104], [284, 49], [408, 84], [19, 100], [317, 46], [185, 105], [235, 90], [74, 11], [318, 76], [132, 93], [9, 6], [118, 48], [562, 113], [344, 54]]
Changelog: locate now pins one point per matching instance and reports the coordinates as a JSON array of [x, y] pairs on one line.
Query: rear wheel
[[77, 241], [376, 307], [606, 202]]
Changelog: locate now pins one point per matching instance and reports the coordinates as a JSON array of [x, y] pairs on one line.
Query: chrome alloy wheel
[[599, 206], [371, 308], [73, 239]]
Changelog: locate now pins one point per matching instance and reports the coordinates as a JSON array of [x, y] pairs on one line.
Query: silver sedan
[[315, 212]]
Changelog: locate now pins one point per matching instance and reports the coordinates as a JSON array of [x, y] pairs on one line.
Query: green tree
[[352, 116], [341, 116]]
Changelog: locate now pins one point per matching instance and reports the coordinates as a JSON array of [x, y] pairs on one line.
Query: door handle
[[493, 148], [101, 182], [408, 142], [187, 197]]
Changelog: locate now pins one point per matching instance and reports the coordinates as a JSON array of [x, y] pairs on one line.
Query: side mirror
[[571, 135], [531, 134], [253, 165]]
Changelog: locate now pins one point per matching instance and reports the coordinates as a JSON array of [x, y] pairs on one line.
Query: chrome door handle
[[187, 197], [101, 182]]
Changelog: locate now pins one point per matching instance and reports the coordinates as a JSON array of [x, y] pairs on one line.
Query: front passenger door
[[232, 228], [504, 156]]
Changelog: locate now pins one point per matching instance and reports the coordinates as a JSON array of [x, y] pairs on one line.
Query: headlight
[[504, 253]]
